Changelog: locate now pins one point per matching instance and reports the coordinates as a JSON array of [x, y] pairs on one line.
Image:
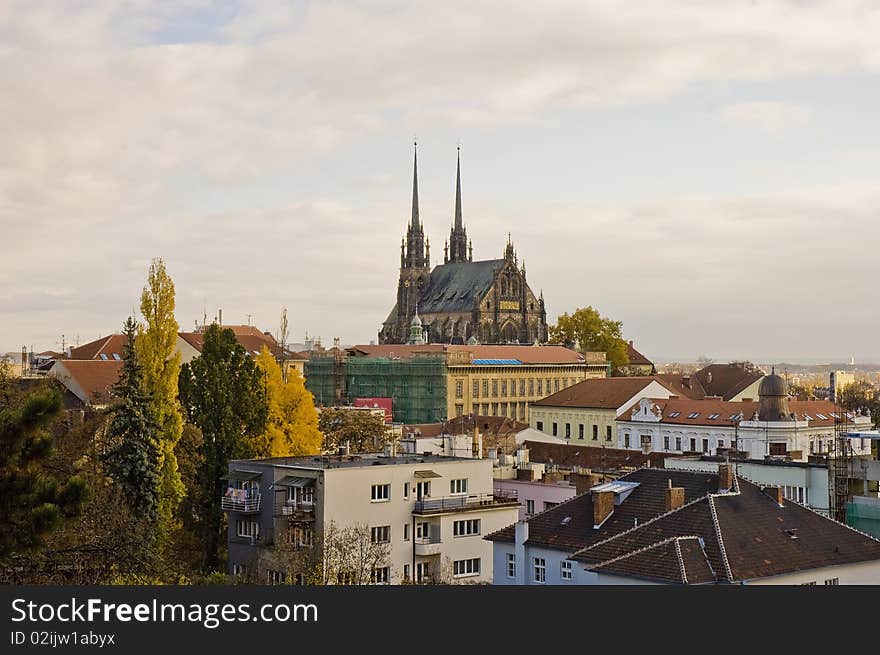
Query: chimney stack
[[674, 497], [603, 506], [725, 478], [776, 493]]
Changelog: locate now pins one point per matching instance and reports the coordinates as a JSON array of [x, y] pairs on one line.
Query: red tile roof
[[94, 377], [113, 343], [602, 393], [525, 354], [635, 357]]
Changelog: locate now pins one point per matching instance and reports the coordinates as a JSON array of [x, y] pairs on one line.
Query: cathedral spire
[[415, 194], [458, 241]]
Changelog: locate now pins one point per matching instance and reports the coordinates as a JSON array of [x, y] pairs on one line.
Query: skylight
[[822, 416], [712, 417], [808, 417], [693, 414], [674, 414], [104, 357], [734, 417], [117, 357]]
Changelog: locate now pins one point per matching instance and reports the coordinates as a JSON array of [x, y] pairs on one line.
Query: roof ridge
[[643, 549], [720, 538], [684, 579], [542, 512], [828, 518], [641, 525]]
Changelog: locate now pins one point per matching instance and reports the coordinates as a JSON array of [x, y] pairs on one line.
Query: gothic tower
[[458, 241], [415, 267]]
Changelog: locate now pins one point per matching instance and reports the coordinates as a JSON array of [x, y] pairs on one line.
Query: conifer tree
[[133, 457]]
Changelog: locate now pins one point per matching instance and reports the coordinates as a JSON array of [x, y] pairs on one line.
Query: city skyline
[[703, 174]]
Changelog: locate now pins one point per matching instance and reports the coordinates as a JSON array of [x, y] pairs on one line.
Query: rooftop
[[489, 355], [601, 393], [324, 462]]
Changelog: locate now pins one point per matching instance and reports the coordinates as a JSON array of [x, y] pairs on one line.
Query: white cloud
[[771, 116]]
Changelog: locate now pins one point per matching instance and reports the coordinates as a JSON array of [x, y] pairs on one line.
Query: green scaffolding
[[417, 386], [864, 517]]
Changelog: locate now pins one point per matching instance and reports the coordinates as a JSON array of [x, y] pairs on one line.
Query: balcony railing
[[453, 503], [295, 509], [241, 502]]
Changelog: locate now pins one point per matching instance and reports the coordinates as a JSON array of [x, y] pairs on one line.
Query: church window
[[503, 287], [476, 389]]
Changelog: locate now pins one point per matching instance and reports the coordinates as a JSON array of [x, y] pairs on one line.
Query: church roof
[[452, 286]]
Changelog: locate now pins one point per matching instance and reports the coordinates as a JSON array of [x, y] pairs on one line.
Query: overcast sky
[[705, 172]]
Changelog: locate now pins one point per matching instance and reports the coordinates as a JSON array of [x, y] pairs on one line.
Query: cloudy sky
[[705, 172]]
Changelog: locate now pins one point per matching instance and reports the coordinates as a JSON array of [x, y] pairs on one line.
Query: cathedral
[[462, 300]]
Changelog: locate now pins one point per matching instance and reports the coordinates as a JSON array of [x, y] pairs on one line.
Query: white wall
[[538, 492]]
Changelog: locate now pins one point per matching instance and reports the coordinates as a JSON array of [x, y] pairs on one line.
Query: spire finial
[[414, 221], [458, 225]]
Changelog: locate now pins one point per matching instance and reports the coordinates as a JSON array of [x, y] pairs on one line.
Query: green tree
[[587, 330], [292, 425], [33, 502], [156, 348], [361, 430], [223, 394], [133, 457]]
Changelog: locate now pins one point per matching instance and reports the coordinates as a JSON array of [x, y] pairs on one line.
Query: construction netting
[[864, 517], [417, 386]]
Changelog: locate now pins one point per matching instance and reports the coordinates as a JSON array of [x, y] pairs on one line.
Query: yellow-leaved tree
[[156, 346], [292, 426]]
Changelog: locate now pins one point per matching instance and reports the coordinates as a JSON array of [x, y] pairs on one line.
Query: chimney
[[583, 481], [686, 381], [673, 397], [776, 493], [725, 478], [220, 316], [674, 497], [603, 506]]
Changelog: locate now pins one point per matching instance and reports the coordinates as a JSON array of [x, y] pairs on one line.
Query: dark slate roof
[[593, 457], [452, 286], [680, 560], [645, 502], [745, 535]]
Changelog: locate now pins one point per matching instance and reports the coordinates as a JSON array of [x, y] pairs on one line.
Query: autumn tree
[[362, 431], [587, 330], [223, 394], [156, 349], [292, 422], [33, 501], [132, 435]]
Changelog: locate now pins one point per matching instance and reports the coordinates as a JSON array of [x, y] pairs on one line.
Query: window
[[117, 357], [458, 486], [476, 391], [459, 388], [532, 387], [423, 571], [459, 409], [693, 445], [705, 445], [568, 430], [674, 414], [513, 388], [678, 443], [539, 426], [721, 443], [646, 441], [566, 569], [549, 505], [406, 531], [485, 388], [406, 571], [503, 387], [666, 444], [626, 441], [522, 387], [423, 530], [530, 507], [379, 575], [495, 388], [485, 409], [380, 493], [104, 357], [555, 429], [540, 387], [581, 431], [275, 577], [555, 385], [712, 417], [832, 582], [539, 570], [423, 489], [511, 565], [595, 432], [406, 489], [465, 567], [247, 528], [466, 528], [607, 433], [300, 536], [693, 414], [381, 534]]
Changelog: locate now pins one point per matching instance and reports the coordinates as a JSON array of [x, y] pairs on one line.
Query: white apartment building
[[432, 510]]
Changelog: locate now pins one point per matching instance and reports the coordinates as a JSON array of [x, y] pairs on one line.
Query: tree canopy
[[360, 430], [292, 421], [587, 330]]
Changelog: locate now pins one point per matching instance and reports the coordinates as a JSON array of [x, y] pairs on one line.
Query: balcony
[[239, 500], [426, 546], [295, 510], [464, 503]]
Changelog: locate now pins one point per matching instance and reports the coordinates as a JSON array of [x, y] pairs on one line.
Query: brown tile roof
[[726, 380], [250, 331], [809, 410], [252, 342], [113, 343], [646, 502], [487, 425], [678, 560], [635, 357], [592, 457], [745, 535], [94, 377], [525, 354], [684, 385], [604, 393]]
